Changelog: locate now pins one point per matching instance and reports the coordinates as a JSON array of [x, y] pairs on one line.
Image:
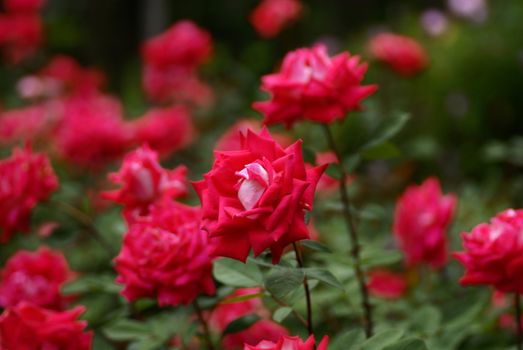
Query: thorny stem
[[206, 332], [299, 259], [353, 234], [517, 309], [85, 220]]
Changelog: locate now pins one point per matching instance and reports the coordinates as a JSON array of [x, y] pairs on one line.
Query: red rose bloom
[[164, 129], [290, 343], [403, 54], [92, 131], [166, 256], [26, 123], [494, 253], [271, 16], [256, 197], [421, 220], [313, 86], [145, 182], [264, 329], [34, 277], [29, 327], [20, 35], [184, 43], [387, 285], [26, 179]]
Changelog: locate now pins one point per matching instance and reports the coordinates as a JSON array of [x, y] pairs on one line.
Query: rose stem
[[517, 308], [299, 259], [206, 332], [353, 234]]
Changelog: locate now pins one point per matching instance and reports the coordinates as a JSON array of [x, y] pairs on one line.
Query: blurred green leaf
[[384, 150], [281, 281], [348, 340], [281, 313], [236, 273], [387, 130], [241, 324], [382, 339], [126, 330], [323, 275], [408, 344], [315, 245]]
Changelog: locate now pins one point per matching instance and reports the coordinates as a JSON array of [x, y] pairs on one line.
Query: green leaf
[[380, 340], [241, 324], [348, 340], [324, 276], [92, 284], [384, 150], [236, 273], [315, 245], [125, 330], [408, 344], [281, 281], [309, 156], [281, 313], [426, 319], [390, 128], [334, 170]]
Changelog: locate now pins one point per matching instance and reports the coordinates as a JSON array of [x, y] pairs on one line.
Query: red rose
[[257, 197], [164, 129], [421, 220], [387, 285], [92, 131], [29, 327], [494, 253], [403, 54], [20, 35], [226, 312], [26, 123], [166, 256], [271, 16], [144, 182], [34, 277], [313, 86], [184, 43], [27, 178], [290, 343]]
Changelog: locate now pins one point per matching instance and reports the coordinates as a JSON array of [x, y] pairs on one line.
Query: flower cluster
[[256, 197], [270, 17], [171, 60], [421, 220], [164, 255], [35, 277], [27, 326], [403, 54], [21, 29], [313, 86], [26, 179], [494, 253]]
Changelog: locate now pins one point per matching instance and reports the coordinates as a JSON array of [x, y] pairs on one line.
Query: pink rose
[[271, 16], [144, 182], [421, 219], [387, 285], [34, 277], [256, 197], [494, 253], [27, 178], [165, 255], [164, 129], [290, 343], [403, 54], [29, 327], [313, 86]]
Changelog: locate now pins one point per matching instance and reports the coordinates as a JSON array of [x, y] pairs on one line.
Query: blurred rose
[[256, 197], [421, 219], [493, 253], [313, 86], [403, 54], [21, 34], [28, 327], [387, 285], [271, 16], [26, 179], [290, 343], [35, 277]]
